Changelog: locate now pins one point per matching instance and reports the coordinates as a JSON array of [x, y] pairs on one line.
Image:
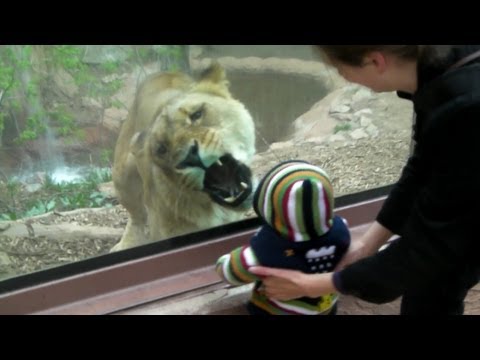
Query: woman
[[432, 207]]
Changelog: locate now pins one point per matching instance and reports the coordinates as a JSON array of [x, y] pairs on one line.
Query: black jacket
[[433, 204]]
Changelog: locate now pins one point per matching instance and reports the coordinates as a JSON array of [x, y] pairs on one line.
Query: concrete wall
[[277, 83], [303, 52]]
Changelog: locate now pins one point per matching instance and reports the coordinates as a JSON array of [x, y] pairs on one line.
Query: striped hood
[[296, 199]]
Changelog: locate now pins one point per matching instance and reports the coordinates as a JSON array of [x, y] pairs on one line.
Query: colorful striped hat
[[296, 199]]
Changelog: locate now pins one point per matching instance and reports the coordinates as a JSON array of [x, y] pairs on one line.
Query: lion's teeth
[[244, 185], [230, 199], [219, 163]]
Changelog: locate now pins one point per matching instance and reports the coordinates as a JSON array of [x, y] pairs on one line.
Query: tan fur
[[154, 192]]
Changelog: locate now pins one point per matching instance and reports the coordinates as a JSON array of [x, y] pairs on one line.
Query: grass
[[342, 127]]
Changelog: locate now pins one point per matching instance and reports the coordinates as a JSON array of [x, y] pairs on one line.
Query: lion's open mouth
[[228, 181]]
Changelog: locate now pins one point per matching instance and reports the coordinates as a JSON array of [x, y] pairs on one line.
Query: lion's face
[[204, 141], [185, 147]]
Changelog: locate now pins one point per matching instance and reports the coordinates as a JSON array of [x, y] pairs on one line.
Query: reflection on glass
[[62, 108]]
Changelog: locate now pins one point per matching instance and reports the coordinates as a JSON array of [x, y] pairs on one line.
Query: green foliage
[[68, 57], [110, 66], [25, 73], [64, 119], [13, 187], [31, 101], [82, 194], [97, 175], [11, 190], [22, 58], [143, 54], [8, 216], [342, 127], [170, 55], [106, 157], [7, 79], [117, 104], [40, 207], [6, 75], [35, 126], [80, 134], [2, 122], [18, 84]]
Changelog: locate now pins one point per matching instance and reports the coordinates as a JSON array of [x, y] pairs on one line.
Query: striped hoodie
[[300, 232]]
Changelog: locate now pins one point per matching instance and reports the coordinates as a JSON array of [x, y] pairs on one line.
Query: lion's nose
[[192, 159]]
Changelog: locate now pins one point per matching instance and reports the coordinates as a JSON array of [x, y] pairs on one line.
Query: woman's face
[[371, 73]]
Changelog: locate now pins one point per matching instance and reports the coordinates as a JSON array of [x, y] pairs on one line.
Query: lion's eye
[[196, 115], [161, 149]]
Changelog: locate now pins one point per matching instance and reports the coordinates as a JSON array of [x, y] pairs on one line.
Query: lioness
[[182, 158]]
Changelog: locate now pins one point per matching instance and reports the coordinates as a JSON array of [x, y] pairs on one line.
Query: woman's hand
[[281, 284]]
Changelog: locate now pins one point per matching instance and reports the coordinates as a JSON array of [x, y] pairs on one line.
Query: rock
[[31, 188], [343, 117], [339, 109], [64, 232], [318, 122], [91, 102], [363, 112], [5, 259], [336, 138], [372, 130], [358, 134], [113, 118], [4, 225], [281, 145], [365, 121], [361, 94], [65, 83]]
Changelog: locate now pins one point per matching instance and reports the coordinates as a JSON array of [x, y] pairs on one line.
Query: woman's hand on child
[[282, 284]]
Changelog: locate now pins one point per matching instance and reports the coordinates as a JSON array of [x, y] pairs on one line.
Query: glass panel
[[186, 142]]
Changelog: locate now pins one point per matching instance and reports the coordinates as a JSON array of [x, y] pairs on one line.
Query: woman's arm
[[440, 233], [376, 236]]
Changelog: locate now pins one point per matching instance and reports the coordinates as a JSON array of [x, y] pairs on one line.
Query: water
[[64, 174]]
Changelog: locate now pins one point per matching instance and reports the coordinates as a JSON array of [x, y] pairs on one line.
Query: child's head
[[296, 199]]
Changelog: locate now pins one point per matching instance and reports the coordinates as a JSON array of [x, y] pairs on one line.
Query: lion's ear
[[213, 80], [215, 73], [137, 142]]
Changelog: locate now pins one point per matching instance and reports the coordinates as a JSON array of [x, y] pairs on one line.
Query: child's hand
[[219, 265]]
